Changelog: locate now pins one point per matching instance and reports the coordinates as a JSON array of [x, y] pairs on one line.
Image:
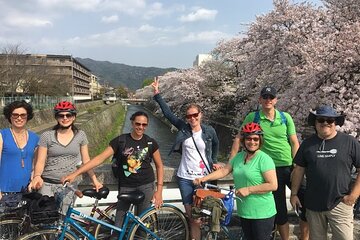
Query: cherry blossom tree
[[310, 54]]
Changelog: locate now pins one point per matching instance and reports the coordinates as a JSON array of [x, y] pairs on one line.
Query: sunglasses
[[68, 115], [17, 115], [140, 124], [255, 139], [267, 96], [194, 115], [328, 120]]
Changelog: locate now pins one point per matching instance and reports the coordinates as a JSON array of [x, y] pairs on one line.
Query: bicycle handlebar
[[231, 188], [77, 191]]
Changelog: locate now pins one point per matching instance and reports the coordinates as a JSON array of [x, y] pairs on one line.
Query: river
[[157, 130]]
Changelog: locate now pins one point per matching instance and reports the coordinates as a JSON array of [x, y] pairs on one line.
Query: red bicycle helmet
[[65, 106], [250, 129]]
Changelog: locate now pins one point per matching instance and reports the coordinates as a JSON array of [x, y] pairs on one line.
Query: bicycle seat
[[102, 193], [135, 197]]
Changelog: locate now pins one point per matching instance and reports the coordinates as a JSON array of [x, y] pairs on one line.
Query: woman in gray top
[[60, 151]]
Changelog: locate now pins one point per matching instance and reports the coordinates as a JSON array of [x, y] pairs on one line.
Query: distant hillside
[[117, 74]]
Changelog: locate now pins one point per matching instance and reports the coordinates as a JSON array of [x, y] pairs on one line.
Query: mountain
[[116, 74]]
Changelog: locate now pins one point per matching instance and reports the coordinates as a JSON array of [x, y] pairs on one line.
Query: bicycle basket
[[11, 202], [43, 210], [200, 194], [228, 201]]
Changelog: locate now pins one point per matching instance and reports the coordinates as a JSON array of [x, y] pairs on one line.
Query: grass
[[111, 134]]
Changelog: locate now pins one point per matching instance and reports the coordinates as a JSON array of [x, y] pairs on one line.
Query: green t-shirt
[[254, 206], [276, 137]]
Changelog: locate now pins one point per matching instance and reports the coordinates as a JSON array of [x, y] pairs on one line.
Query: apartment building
[[63, 70], [95, 87]]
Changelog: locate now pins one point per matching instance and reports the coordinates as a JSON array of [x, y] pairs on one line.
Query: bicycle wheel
[[167, 222], [46, 234], [102, 232], [212, 236], [10, 228]]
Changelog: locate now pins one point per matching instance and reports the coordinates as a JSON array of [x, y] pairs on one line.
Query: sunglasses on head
[[17, 115], [194, 115], [67, 115], [328, 120], [267, 96], [255, 139], [140, 124]]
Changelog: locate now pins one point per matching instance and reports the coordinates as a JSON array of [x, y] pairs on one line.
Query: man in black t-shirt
[[327, 158]]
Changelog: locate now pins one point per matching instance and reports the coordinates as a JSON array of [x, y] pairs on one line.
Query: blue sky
[[163, 33]]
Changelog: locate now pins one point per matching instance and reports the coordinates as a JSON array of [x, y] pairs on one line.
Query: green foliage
[[122, 92], [112, 133], [147, 82], [117, 74], [94, 109]]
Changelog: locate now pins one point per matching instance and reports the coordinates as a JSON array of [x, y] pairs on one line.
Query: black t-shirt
[[135, 159], [328, 166]]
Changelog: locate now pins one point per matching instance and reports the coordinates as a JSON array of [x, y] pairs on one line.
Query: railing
[[37, 102]]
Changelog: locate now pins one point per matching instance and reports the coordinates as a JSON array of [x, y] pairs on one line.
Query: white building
[[201, 58], [95, 87]]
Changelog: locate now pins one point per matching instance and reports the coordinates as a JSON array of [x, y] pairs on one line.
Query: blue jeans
[[187, 190]]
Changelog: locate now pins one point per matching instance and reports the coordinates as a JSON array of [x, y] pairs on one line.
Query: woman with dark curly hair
[[17, 148]]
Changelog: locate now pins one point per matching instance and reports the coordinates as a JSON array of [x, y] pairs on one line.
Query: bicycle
[[17, 221], [13, 216], [167, 222], [225, 231]]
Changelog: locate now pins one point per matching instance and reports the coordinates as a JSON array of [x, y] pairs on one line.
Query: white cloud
[[206, 37], [110, 19], [127, 6], [201, 14], [16, 20], [147, 28]]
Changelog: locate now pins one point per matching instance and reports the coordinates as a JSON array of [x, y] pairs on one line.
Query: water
[[159, 131]]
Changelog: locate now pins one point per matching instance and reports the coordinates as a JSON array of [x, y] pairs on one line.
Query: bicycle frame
[[69, 221], [94, 209]]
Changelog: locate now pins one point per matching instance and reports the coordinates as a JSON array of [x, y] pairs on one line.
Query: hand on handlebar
[[69, 178], [198, 181]]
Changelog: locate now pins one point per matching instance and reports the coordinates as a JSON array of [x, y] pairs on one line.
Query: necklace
[[22, 150]]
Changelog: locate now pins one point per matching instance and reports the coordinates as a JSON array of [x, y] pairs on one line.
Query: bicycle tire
[[167, 222], [212, 236], [46, 234], [10, 228], [102, 232]]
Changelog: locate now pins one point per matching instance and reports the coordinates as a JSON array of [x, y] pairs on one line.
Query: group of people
[[265, 158]]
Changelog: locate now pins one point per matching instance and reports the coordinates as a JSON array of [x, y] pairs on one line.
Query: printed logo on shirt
[[326, 154], [193, 173], [135, 157]]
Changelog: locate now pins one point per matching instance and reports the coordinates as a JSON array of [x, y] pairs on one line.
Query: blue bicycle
[[168, 222]]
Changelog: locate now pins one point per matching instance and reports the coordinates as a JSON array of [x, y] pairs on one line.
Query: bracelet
[[160, 184], [38, 175], [293, 194]]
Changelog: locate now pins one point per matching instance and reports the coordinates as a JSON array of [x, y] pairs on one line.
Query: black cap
[[268, 91]]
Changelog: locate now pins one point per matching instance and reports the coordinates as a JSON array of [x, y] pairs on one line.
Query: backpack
[[282, 115], [283, 121], [116, 166]]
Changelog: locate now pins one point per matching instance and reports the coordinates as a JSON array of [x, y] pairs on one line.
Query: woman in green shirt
[[255, 178]]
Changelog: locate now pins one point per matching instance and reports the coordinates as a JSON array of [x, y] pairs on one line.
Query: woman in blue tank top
[[17, 147]]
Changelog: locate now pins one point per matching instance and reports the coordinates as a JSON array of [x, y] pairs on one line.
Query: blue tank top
[[14, 177]]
